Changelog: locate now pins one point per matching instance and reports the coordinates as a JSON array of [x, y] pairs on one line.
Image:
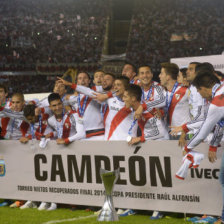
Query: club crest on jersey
[[44, 122], [177, 96]]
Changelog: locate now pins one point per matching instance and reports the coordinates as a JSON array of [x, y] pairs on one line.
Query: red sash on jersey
[[119, 117], [181, 92]]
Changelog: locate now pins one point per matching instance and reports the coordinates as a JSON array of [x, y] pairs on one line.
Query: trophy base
[[108, 215]]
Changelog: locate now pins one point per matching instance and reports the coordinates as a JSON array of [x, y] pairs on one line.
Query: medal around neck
[[80, 120], [108, 212], [128, 138]]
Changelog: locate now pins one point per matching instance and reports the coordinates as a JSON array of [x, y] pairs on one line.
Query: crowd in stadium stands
[[28, 83], [51, 32], [71, 32], [162, 30]]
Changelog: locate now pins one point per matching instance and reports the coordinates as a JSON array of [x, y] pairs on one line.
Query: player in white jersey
[[152, 92], [38, 123], [119, 118], [195, 100], [210, 89], [151, 127], [14, 128], [37, 127], [200, 110], [88, 109], [176, 108], [175, 100], [43, 105], [66, 127], [208, 86], [94, 112]]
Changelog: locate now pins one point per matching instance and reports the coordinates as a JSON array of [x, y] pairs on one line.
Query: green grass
[[33, 216]]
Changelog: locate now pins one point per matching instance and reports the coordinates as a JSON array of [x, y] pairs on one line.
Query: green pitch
[[66, 216]]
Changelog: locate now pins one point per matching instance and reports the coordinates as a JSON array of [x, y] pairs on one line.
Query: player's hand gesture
[[64, 82]]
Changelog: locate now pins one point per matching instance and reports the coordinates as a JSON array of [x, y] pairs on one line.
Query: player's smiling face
[[119, 88], [145, 75]]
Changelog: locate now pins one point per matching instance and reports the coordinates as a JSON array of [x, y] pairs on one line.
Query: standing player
[[92, 111], [152, 92], [195, 100], [176, 108], [151, 127], [65, 127], [14, 128], [209, 88]]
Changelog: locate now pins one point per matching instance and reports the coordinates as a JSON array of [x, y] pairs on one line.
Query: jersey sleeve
[[80, 131], [214, 115], [159, 102], [84, 90]]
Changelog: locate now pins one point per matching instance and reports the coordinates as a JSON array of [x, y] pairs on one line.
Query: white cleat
[[120, 211], [29, 204], [52, 207], [43, 206]]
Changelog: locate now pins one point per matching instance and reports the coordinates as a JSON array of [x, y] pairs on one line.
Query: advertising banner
[[70, 174]]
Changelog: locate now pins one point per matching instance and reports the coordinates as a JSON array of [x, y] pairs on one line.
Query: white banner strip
[[147, 175], [216, 60]]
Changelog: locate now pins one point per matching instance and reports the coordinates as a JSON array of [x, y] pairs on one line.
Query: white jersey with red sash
[[178, 106], [118, 120], [70, 128]]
